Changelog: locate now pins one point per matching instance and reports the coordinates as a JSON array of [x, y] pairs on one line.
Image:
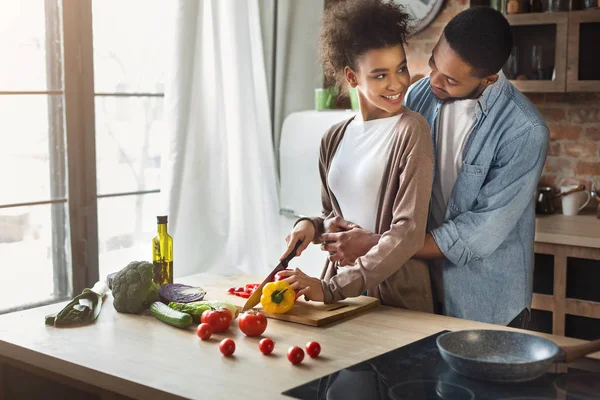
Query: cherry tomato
[[218, 319], [227, 347], [266, 346], [252, 323], [313, 349], [295, 355], [231, 290], [204, 331]]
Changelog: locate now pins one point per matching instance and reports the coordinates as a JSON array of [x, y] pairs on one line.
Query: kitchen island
[[122, 355]]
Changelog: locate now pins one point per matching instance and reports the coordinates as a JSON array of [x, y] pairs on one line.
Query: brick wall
[[574, 122], [573, 118]]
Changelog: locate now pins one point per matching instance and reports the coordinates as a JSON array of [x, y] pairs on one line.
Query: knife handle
[[289, 257]]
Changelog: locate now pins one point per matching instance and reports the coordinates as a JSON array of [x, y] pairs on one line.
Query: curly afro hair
[[350, 28]]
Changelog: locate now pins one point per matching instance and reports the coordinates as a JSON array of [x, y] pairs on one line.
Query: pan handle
[[573, 353]]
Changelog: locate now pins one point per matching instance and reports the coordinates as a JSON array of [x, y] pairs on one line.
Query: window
[[129, 55], [81, 119]]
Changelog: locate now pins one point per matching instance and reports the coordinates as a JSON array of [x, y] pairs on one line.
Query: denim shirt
[[488, 233]]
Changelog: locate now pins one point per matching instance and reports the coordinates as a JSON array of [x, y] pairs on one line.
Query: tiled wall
[[573, 118]]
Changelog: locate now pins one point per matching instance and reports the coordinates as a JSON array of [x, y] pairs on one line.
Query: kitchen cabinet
[[567, 260], [546, 33], [555, 51], [583, 61]]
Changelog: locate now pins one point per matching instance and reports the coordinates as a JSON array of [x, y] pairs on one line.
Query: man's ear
[[490, 80], [350, 77]]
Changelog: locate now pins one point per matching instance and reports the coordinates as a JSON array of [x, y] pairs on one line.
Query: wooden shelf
[[542, 18]]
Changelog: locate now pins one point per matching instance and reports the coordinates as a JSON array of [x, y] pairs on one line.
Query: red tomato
[[204, 331], [295, 355], [219, 319], [252, 323], [227, 347], [266, 346], [313, 349]]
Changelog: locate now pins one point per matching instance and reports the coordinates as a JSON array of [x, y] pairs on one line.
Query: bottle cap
[[163, 219]]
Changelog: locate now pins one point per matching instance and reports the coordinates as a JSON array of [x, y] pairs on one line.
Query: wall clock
[[423, 12]]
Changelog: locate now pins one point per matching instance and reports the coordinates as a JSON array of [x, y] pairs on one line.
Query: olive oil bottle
[[162, 253]]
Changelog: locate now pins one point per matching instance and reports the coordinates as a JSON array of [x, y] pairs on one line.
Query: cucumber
[[172, 317], [196, 308]]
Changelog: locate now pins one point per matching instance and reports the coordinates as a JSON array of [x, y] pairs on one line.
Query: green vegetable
[[133, 287], [83, 309], [170, 316], [196, 308]]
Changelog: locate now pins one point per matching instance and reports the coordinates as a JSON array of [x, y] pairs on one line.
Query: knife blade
[[254, 299]]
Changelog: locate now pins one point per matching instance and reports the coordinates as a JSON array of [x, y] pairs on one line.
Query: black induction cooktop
[[417, 371]]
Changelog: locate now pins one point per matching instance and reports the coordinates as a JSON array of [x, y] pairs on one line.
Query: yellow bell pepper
[[277, 297]]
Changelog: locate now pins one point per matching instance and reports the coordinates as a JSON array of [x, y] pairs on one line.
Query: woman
[[377, 167]]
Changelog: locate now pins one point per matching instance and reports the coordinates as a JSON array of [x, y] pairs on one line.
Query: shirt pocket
[[467, 187]]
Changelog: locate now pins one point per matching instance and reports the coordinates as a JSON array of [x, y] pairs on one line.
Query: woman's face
[[381, 79]]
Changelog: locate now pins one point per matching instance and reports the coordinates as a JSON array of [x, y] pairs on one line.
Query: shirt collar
[[491, 93]]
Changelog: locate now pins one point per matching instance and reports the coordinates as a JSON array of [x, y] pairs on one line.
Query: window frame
[[71, 121]]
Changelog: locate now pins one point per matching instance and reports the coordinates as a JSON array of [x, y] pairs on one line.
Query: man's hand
[[346, 247]]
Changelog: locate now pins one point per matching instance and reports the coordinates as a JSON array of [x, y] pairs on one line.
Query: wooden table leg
[[560, 292]]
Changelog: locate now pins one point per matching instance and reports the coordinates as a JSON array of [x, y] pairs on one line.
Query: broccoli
[[133, 288]]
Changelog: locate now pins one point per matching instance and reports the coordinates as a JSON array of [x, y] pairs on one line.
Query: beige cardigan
[[387, 271]]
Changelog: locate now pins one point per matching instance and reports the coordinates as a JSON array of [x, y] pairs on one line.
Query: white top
[[455, 124], [357, 168]]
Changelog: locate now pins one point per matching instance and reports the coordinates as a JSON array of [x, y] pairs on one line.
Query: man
[[490, 145]]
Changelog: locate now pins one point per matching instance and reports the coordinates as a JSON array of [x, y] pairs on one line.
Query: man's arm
[[508, 191], [347, 246], [430, 250]]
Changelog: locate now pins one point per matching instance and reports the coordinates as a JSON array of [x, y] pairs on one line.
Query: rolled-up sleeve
[[509, 189]]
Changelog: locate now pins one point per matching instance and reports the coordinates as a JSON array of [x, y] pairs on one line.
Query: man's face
[[453, 78]]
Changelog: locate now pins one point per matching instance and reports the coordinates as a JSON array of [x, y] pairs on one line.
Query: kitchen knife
[[254, 299]]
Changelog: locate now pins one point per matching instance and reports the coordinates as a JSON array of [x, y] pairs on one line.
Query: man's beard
[[475, 93]]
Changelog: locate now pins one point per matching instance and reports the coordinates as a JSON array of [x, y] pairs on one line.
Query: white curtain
[[218, 177]]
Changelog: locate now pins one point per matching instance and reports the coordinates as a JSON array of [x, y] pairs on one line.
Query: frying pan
[[505, 356]]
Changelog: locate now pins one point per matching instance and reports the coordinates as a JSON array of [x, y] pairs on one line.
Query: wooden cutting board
[[304, 312]]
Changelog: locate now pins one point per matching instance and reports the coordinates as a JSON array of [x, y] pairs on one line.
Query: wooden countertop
[[577, 230], [141, 357]]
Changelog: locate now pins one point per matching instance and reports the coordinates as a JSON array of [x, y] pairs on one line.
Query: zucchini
[[172, 317], [196, 308]]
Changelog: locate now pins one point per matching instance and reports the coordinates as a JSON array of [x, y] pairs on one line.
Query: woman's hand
[[303, 231], [303, 284]]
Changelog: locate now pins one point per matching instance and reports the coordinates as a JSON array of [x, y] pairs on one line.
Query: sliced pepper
[[277, 297]]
